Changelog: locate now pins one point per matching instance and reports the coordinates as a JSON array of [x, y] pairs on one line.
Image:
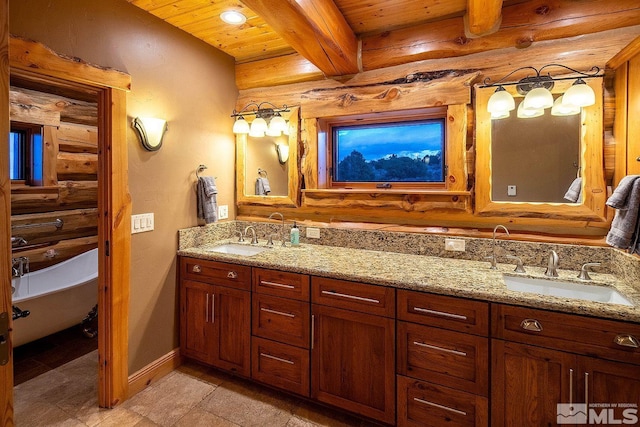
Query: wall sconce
[[259, 127], [151, 131], [538, 97], [283, 153]]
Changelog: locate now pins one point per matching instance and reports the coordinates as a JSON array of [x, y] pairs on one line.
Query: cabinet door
[[353, 363], [196, 327], [232, 322], [612, 389], [528, 383]]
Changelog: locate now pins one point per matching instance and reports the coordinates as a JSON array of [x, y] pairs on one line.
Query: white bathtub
[[58, 297]]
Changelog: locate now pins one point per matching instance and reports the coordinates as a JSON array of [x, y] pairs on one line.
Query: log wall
[[70, 187]]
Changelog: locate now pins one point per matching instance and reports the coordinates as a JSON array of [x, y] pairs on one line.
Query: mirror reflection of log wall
[[70, 187]]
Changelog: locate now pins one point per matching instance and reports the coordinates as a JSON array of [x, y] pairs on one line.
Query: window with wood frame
[[26, 154], [400, 150]]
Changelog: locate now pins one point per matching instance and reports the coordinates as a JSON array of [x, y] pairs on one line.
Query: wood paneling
[[483, 17], [633, 112]]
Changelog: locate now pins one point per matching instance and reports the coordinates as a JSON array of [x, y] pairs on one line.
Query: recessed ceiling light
[[233, 17]]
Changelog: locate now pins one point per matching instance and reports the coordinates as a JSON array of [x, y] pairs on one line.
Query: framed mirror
[[267, 169], [526, 166]]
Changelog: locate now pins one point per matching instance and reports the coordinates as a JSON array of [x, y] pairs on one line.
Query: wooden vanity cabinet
[[281, 329], [215, 313], [353, 347], [541, 359], [443, 360]]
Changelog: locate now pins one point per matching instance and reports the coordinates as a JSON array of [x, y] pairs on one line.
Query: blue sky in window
[[413, 140]]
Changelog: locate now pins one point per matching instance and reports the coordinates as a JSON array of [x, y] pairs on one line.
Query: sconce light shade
[[501, 101], [580, 94], [151, 131], [527, 113], [283, 153], [241, 126], [538, 98], [258, 127], [560, 108], [500, 115]]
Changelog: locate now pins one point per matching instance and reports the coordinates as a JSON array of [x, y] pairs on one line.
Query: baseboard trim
[[154, 371]]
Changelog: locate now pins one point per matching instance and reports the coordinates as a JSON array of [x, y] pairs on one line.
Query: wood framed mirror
[[260, 159], [588, 163]]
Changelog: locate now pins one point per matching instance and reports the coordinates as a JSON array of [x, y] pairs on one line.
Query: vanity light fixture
[[538, 97], [283, 153], [233, 17], [268, 120], [151, 131]]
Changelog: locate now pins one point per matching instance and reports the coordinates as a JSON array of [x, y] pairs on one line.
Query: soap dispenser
[[295, 235]]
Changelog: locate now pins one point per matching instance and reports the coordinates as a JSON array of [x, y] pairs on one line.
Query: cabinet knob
[[627, 341], [232, 275], [196, 269], [531, 325]]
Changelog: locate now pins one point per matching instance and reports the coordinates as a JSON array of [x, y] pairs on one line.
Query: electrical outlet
[[313, 233], [223, 211], [457, 245], [511, 190]]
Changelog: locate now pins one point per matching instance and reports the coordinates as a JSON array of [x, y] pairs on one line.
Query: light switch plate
[[223, 211], [142, 222]]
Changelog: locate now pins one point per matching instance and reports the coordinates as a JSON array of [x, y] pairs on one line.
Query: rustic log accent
[[76, 223], [49, 156], [48, 255], [523, 24], [292, 68], [78, 194], [483, 17], [30, 102], [77, 166], [633, 112], [27, 113], [67, 195], [29, 199], [29, 55], [317, 30], [402, 201], [456, 179], [309, 161], [620, 122], [75, 138], [625, 55]]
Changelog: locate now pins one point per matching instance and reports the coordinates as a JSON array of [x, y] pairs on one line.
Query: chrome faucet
[[493, 258], [282, 226], [19, 266], [254, 239], [584, 271], [19, 241], [552, 267]]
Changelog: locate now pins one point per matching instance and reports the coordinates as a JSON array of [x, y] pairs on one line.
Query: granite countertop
[[445, 276]]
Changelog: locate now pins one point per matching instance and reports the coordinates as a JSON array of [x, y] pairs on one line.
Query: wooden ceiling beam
[[483, 17], [316, 30]]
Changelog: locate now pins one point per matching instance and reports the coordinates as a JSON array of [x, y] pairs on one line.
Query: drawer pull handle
[[279, 359], [313, 329], [232, 275], [434, 347], [446, 408], [280, 313], [440, 313], [531, 325], [338, 294], [627, 341], [196, 269], [278, 285], [206, 310]]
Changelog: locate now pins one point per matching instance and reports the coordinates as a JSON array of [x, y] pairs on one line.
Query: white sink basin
[[237, 249], [562, 289]]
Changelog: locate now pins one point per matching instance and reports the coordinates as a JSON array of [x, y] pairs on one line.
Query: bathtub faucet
[[17, 313], [19, 266]]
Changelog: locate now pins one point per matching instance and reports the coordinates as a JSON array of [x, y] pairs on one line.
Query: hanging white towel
[[574, 192], [206, 199], [262, 187]]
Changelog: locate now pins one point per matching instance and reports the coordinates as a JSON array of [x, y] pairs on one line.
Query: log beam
[[316, 30], [483, 17]]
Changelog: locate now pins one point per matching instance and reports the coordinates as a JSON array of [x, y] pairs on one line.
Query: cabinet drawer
[[280, 365], [444, 357], [453, 313], [429, 405], [281, 284], [604, 338], [372, 299], [281, 319], [219, 273]]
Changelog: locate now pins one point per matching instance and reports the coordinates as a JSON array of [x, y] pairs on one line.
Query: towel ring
[[200, 169], [262, 172]]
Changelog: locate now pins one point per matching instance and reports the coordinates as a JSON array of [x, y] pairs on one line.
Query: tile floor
[[191, 396]]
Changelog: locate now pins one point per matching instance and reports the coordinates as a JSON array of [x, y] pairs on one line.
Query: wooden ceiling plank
[[522, 25], [483, 17], [316, 30], [274, 71], [629, 51]]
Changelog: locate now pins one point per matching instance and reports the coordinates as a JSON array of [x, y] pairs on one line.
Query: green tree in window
[[402, 168], [354, 167]]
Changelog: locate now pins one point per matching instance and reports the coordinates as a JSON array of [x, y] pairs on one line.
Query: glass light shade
[[283, 152], [580, 94], [501, 101], [151, 131], [527, 113], [258, 126], [538, 98], [501, 115], [278, 123], [560, 108], [241, 126], [273, 130]]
